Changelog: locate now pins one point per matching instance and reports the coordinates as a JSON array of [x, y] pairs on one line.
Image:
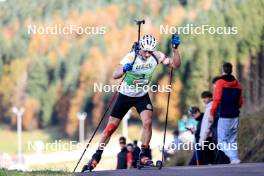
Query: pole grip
[[139, 22]]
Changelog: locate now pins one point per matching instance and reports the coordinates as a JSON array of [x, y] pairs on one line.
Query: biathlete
[[133, 94]]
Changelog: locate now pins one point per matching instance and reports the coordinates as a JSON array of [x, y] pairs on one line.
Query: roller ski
[[145, 161], [149, 164]]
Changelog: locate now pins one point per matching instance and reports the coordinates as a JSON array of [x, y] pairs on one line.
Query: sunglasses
[[122, 143], [150, 52]]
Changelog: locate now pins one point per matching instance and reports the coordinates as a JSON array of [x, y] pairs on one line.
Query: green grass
[[4, 172], [9, 139], [251, 139], [64, 166]]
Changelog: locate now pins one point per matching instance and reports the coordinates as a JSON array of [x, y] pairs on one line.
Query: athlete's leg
[[146, 117], [122, 105], [145, 155], [120, 108], [106, 135], [110, 128], [144, 108]]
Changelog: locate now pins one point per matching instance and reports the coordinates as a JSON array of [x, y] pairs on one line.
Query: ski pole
[[196, 156], [166, 119]]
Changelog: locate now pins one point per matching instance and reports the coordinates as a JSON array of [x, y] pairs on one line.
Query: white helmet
[[148, 43]]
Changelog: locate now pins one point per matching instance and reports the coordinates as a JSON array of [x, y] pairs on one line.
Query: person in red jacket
[[227, 100], [130, 158]]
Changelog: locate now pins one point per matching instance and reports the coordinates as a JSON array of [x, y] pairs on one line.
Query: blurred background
[[52, 76]]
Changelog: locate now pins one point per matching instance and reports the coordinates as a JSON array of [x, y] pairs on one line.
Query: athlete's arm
[[176, 59], [118, 73], [174, 62], [125, 65]]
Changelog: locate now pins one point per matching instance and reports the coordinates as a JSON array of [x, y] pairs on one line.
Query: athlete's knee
[[110, 129], [147, 124]]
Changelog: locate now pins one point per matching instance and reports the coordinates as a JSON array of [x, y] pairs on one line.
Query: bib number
[[141, 81]]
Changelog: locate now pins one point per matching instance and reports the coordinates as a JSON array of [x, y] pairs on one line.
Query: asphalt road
[[252, 169]]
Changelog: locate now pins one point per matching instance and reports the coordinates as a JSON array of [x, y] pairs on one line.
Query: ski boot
[[144, 157], [93, 162]]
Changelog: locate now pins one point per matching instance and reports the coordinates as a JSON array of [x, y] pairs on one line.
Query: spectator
[[205, 138], [182, 124], [213, 127], [130, 150], [198, 116], [227, 100], [122, 161], [186, 126], [173, 146], [176, 140], [207, 100], [136, 152], [220, 157]]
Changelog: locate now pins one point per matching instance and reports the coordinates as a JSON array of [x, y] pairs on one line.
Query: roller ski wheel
[[139, 166], [159, 164], [150, 164]]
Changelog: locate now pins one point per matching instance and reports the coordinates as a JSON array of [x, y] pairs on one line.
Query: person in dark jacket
[[136, 153], [227, 99], [198, 116], [124, 159]]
